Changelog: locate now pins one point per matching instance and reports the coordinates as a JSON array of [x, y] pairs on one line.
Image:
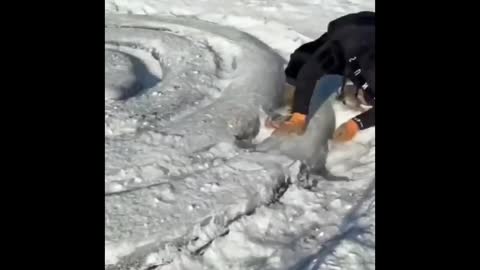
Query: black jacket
[[348, 49]]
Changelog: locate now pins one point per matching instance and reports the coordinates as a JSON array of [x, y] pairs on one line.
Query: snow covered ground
[[180, 84]]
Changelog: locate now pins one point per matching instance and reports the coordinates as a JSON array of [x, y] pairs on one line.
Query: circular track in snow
[[126, 75], [165, 139]]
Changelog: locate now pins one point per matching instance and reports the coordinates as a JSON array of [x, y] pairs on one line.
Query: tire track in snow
[[265, 188]]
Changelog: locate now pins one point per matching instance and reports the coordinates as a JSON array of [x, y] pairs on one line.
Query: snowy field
[[182, 79]]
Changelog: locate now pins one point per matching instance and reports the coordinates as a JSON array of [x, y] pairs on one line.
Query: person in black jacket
[[346, 49]]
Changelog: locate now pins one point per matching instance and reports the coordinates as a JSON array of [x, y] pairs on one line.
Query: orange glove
[[296, 125], [346, 131]]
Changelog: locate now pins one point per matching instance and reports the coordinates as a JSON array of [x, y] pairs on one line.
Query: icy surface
[[178, 193]]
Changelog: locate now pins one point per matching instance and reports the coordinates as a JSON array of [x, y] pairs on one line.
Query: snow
[[179, 194]]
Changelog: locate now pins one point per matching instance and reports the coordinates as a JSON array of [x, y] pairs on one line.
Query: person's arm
[[326, 60], [300, 57], [366, 119]]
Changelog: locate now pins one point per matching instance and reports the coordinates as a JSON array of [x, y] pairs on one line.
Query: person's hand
[[346, 131], [295, 125]]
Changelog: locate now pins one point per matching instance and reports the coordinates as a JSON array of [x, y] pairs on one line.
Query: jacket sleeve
[[326, 60], [301, 56], [366, 119]]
